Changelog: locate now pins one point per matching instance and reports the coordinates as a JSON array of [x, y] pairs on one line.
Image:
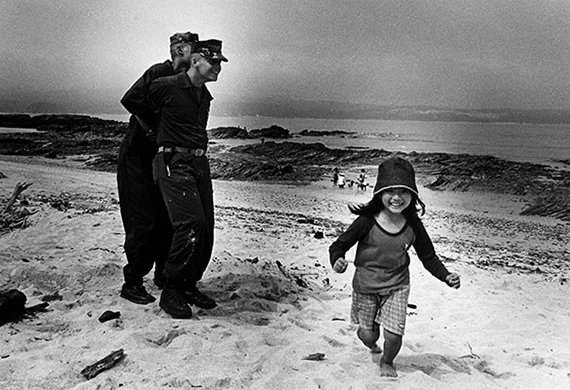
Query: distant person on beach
[[340, 182], [361, 185], [335, 176], [385, 229], [182, 172], [147, 228]]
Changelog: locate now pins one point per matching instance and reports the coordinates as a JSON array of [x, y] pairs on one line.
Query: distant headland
[[289, 108]]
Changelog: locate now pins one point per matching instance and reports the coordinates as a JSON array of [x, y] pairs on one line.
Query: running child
[[385, 229]]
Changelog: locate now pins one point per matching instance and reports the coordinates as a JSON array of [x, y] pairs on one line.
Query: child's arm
[[340, 265], [346, 240], [426, 253]]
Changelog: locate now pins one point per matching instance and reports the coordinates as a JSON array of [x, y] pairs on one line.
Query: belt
[[179, 149]]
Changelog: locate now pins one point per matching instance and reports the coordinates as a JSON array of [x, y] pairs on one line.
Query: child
[[386, 227], [335, 176], [340, 180]]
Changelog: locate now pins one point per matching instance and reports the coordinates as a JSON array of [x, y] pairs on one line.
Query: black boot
[[136, 293], [159, 281], [175, 302], [200, 299]]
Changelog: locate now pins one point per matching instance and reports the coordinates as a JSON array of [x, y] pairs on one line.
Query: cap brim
[[218, 57], [396, 186]]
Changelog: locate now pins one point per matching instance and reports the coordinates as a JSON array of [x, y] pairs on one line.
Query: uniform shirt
[[184, 111], [135, 102], [382, 260], [135, 99]]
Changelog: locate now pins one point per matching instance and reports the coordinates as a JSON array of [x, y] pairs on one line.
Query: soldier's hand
[[151, 135]]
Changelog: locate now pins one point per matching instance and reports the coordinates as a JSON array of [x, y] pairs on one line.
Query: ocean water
[[511, 141], [520, 142]]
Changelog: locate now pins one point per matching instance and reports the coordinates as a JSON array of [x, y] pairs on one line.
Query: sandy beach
[[280, 303]]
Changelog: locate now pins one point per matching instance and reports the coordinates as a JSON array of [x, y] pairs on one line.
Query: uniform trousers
[[148, 232], [185, 183]]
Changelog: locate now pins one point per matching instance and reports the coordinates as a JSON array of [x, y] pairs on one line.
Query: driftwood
[[20, 187], [106, 363], [317, 357], [298, 279]]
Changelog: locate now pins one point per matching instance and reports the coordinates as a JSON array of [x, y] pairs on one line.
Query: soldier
[[145, 219]]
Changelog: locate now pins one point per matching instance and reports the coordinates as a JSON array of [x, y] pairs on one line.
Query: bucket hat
[[396, 172]]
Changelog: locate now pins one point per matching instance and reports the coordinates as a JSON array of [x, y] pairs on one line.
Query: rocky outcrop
[[60, 135], [22, 121], [272, 131], [321, 133], [54, 121], [228, 132]]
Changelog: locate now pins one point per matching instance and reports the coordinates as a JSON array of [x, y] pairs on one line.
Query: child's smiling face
[[396, 200]]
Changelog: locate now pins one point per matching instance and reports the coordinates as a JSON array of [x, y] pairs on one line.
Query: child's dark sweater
[[382, 260]]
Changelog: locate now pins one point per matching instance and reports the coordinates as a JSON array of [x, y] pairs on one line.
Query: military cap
[[210, 49], [186, 37]]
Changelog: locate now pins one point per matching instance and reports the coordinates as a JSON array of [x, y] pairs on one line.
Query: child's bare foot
[[387, 370]]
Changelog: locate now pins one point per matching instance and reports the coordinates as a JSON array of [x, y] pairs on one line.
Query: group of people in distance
[[340, 181], [166, 203]]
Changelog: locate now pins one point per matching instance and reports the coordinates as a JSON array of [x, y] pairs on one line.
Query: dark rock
[[320, 133], [109, 315], [53, 121], [272, 131], [12, 305], [23, 121], [228, 132], [52, 297]]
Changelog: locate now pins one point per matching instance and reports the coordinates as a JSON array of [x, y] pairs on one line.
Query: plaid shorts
[[387, 310]]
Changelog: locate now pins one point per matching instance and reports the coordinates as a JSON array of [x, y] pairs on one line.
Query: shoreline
[[402, 136]]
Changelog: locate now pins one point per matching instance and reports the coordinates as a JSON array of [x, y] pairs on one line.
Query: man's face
[[208, 69]]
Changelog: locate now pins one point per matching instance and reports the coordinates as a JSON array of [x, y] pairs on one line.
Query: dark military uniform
[[182, 172], [145, 219]]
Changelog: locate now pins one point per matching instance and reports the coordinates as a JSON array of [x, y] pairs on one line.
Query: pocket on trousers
[[182, 169]]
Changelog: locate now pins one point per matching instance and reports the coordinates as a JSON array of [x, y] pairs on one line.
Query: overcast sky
[[462, 53]]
